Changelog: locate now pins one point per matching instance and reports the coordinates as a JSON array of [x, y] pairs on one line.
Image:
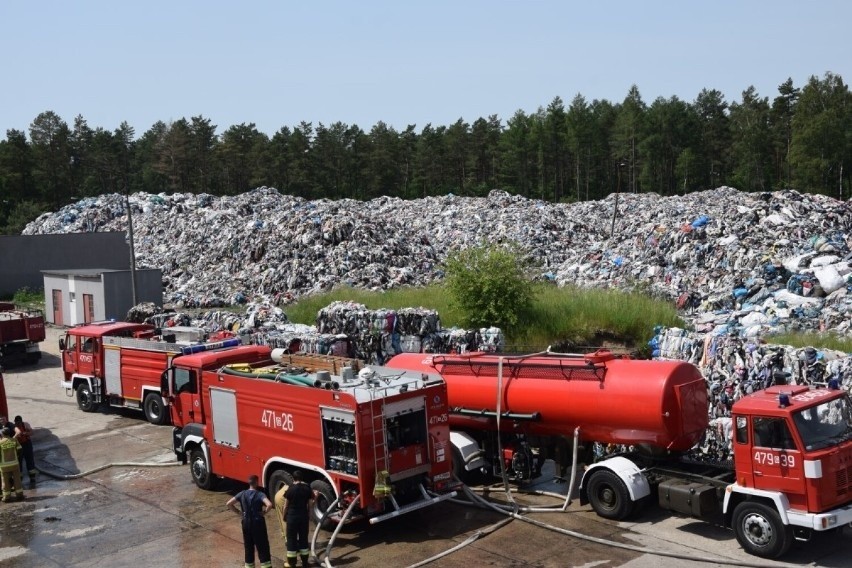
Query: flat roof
[[90, 271]]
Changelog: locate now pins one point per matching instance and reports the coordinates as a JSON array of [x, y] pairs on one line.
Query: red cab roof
[[103, 328]]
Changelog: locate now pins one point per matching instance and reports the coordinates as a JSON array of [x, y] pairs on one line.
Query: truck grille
[[842, 482]]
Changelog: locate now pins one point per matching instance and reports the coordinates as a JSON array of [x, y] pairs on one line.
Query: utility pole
[[130, 237]]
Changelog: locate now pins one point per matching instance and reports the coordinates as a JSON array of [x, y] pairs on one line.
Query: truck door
[[84, 355], [186, 403], [69, 355], [776, 462]]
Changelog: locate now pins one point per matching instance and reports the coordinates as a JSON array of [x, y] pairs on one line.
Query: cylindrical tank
[[612, 400]]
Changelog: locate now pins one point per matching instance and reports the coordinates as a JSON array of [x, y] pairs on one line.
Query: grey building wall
[[22, 258], [118, 290], [111, 291], [81, 285]]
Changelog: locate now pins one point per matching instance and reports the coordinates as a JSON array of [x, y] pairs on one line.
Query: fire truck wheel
[[155, 410], [85, 400], [278, 479], [200, 470], [609, 496], [325, 497], [760, 531]]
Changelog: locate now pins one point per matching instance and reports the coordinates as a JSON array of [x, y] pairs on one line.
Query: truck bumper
[[821, 521]]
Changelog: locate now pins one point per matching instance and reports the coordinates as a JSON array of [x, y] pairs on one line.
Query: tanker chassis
[[791, 472], [372, 445]]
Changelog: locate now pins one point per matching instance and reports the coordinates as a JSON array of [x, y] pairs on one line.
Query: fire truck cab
[[793, 466]]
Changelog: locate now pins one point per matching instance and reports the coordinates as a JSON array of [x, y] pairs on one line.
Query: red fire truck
[[791, 473], [381, 438], [21, 330], [121, 363]]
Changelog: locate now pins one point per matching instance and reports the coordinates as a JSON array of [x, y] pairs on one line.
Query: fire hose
[[70, 476]]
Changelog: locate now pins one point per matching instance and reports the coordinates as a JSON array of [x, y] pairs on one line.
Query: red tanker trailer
[[792, 445], [658, 405]]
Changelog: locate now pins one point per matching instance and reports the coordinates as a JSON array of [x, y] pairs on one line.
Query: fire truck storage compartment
[[223, 406], [338, 429], [690, 498], [112, 371], [405, 423]]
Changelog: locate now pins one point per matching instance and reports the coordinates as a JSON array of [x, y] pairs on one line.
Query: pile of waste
[[734, 367], [750, 263]]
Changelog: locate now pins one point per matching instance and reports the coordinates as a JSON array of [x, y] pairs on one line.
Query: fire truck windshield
[[825, 424]]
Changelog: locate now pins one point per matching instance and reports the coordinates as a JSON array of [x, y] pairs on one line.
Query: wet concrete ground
[[155, 516]]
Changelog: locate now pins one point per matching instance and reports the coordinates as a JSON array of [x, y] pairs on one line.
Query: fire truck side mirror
[[61, 344]]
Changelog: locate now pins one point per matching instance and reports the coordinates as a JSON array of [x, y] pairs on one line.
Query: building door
[[57, 307], [88, 308]]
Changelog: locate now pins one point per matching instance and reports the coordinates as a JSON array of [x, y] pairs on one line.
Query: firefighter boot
[[291, 561], [305, 562]]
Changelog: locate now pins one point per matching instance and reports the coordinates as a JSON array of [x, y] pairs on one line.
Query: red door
[[186, 402], [86, 364], [88, 308], [776, 462], [57, 307]]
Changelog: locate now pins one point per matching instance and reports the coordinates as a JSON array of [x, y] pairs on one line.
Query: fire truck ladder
[[380, 443], [380, 436]]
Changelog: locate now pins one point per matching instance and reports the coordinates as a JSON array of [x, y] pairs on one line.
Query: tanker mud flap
[[634, 479], [427, 501], [177, 444]]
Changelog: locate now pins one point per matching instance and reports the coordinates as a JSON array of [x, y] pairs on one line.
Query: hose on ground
[[508, 510], [70, 476]]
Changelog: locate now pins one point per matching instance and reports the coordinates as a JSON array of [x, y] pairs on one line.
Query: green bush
[[489, 284], [29, 297]]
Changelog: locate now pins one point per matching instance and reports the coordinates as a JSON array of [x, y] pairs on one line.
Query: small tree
[[490, 286]]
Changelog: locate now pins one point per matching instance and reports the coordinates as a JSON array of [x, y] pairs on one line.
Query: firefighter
[[280, 505], [10, 468], [254, 506], [23, 434], [300, 497]]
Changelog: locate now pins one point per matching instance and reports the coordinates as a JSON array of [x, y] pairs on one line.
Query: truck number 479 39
[[769, 458], [277, 420]]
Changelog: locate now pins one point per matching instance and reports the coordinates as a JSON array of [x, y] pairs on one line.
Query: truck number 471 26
[[277, 420]]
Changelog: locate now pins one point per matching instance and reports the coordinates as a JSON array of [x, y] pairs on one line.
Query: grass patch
[[557, 316], [817, 340]]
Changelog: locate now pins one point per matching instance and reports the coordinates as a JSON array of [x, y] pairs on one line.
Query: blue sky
[[279, 63]]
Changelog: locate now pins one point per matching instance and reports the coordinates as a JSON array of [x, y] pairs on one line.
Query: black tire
[[277, 480], [760, 531], [156, 411], [608, 496], [85, 398], [324, 498], [199, 469]]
